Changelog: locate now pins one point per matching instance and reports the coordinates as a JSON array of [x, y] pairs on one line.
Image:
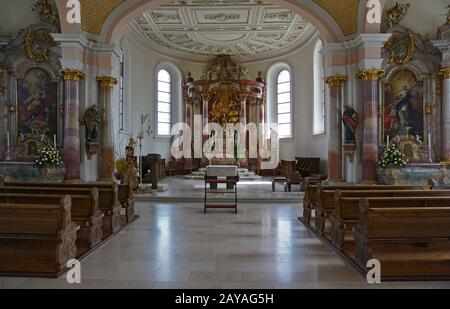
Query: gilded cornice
[[336, 80], [72, 74], [107, 81], [370, 74], [445, 73]]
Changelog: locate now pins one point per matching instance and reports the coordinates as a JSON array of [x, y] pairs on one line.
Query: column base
[[337, 181]]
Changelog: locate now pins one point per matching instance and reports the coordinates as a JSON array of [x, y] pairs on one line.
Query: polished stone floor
[[177, 246]]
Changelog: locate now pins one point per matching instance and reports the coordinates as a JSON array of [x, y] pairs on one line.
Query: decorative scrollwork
[[37, 44], [401, 48]]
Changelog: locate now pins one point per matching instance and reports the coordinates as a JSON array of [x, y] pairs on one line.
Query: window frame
[[322, 90], [277, 103], [170, 103]]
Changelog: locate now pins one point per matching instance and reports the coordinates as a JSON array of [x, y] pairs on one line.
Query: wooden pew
[[325, 199], [85, 213], [409, 236], [37, 239], [346, 213], [126, 199], [107, 202], [125, 194], [310, 198]]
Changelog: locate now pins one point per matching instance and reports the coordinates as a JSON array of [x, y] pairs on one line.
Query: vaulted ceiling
[[345, 13], [200, 29]]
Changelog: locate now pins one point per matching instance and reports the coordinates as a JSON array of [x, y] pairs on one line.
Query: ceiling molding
[[247, 29], [344, 12]]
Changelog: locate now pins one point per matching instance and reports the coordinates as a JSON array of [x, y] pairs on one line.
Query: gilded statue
[[396, 14], [131, 170]]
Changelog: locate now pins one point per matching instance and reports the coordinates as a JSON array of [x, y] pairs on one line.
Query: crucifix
[[408, 128]]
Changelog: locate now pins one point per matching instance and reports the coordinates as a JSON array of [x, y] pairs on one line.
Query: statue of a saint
[[92, 121], [131, 171], [350, 120]]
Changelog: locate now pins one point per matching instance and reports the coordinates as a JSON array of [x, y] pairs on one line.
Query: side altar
[[225, 95]]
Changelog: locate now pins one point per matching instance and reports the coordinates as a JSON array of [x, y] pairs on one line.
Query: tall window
[[164, 103], [319, 91], [284, 105], [121, 94]]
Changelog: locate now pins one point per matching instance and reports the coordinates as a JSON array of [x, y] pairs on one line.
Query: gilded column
[[335, 131], [106, 153], [71, 151], [445, 154], [370, 79]]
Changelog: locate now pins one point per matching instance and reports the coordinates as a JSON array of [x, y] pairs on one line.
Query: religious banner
[[403, 107]]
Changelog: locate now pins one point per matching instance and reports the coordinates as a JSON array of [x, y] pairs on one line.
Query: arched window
[[122, 94], [284, 104], [164, 103], [319, 91]]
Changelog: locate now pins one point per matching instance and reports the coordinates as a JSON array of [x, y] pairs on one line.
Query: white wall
[[16, 15], [144, 61]]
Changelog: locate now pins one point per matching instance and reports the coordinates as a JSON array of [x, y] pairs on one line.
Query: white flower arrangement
[[49, 157], [392, 156]]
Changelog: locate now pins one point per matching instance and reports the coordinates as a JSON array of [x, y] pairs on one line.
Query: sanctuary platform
[[180, 189], [244, 174]]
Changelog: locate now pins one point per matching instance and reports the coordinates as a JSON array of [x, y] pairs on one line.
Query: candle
[[429, 141], [54, 141], [388, 140], [7, 141]]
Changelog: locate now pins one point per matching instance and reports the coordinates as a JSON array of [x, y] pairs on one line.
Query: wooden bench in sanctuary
[[410, 236], [326, 199], [37, 239], [107, 202], [85, 213], [346, 212], [310, 198], [125, 194]]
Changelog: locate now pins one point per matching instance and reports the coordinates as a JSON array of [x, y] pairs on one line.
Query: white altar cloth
[[221, 171]]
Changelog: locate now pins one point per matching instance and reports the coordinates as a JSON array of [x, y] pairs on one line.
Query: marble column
[[370, 79], [71, 151], [335, 131], [106, 152], [445, 153], [205, 117]]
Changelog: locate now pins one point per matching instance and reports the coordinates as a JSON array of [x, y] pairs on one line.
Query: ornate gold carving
[[72, 74], [107, 81], [37, 44], [370, 74], [46, 11], [225, 105], [12, 108], [445, 73], [336, 80], [428, 108], [396, 14], [401, 48]]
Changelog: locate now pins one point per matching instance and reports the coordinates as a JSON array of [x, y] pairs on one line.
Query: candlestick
[[388, 140], [54, 141], [429, 148]]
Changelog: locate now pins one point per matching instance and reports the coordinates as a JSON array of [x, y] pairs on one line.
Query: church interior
[[224, 144]]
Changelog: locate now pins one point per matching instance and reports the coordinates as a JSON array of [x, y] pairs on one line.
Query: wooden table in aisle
[[221, 174]]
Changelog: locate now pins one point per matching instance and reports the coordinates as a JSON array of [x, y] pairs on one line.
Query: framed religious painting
[[37, 110], [402, 108]]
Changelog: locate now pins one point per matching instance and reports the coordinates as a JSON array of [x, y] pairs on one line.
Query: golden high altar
[[223, 95]]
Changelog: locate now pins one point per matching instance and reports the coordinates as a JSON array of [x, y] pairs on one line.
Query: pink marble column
[[370, 124], [205, 116], [335, 131], [445, 154], [106, 152], [71, 151]]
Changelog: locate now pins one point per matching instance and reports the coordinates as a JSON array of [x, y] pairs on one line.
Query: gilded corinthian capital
[[370, 74], [336, 80], [72, 74], [445, 73], [107, 81]]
